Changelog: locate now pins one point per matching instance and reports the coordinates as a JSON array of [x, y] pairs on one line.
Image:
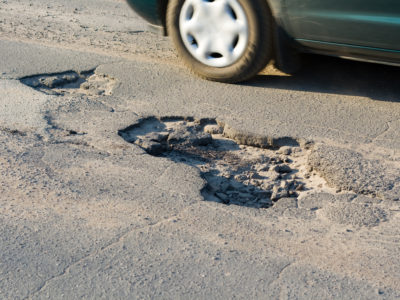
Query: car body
[[367, 30]]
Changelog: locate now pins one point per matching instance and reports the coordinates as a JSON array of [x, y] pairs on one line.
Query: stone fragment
[[151, 147], [178, 136], [240, 177], [274, 176], [213, 129], [282, 169], [223, 197], [284, 184], [286, 159], [255, 175], [278, 193], [201, 139], [85, 86], [285, 150], [157, 136], [276, 160], [255, 182], [267, 186], [262, 168], [296, 150]]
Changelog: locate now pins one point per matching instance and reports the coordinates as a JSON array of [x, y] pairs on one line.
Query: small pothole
[[235, 174], [87, 83]]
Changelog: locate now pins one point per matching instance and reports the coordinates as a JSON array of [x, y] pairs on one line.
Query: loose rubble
[[87, 83], [235, 174]]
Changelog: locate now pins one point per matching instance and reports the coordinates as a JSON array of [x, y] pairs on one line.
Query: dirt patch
[[235, 173], [87, 83]]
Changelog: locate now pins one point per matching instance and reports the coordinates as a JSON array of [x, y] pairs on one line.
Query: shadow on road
[[331, 75]]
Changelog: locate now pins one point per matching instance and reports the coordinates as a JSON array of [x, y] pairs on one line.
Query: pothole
[[86, 83], [235, 174]]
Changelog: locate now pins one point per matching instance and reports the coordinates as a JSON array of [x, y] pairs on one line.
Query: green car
[[233, 40]]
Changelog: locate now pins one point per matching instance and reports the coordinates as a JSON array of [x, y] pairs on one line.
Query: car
[[233, 40]]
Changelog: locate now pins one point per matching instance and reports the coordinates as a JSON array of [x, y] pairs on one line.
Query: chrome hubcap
[[215, 32]]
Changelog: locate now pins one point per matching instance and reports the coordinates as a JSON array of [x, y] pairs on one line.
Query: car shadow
[[331, 75]]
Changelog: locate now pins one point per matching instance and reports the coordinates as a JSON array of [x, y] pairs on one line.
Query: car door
[[368, 23]]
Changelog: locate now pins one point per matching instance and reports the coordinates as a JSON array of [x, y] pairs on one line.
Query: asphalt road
[[87, 92]]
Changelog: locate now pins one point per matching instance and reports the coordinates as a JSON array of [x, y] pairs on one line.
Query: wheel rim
[[215, 32]]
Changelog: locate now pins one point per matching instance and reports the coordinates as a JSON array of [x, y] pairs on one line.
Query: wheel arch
[[274, 7]]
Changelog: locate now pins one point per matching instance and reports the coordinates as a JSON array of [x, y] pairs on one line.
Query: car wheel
[[221, 40]]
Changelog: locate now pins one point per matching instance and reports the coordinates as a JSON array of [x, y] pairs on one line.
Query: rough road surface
[[123, 176]]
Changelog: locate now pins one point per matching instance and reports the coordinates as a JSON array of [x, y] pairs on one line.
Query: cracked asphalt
[[86, 213]]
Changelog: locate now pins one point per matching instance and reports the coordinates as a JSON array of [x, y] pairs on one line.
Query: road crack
[[385, 130], [280, 273]]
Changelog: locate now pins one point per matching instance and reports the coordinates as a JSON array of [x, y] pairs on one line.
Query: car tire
[[198, 26]]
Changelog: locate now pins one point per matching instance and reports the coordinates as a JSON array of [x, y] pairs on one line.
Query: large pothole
[[235, 174], [85, 83]]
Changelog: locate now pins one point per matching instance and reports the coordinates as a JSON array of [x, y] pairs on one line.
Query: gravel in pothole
[[235, 174], [86, 83]]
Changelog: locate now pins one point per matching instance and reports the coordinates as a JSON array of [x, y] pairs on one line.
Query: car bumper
[[148, 9]]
